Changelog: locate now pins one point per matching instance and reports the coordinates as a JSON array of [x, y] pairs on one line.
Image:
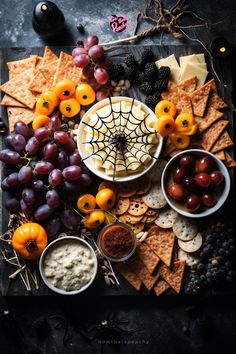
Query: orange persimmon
[[180, 141], [40, 121], [65, 89], [86, 203], [165, 125], [69, 108], [85, 94], [165, 107], [106, 198]]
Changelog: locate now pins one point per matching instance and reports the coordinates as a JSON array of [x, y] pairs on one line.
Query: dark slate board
[[99, 288]]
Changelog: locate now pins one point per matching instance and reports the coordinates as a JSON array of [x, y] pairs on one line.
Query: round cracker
[[192, 245], [166, 218], [126, 189], [154, 174], [106, 184], [143, 186], [184, 228], [188, 258], [138, 227], [130, 218], [155, 198], [152, 212], [122, 206], [137, 207]]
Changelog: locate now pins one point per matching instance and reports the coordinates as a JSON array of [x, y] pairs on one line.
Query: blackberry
[[124, 93], [146, 56], [146, 87], [161, 85], [130, 61], [152, 100], [151, 71], [141, 77], [130, 73], [164, 73], [117, 72]]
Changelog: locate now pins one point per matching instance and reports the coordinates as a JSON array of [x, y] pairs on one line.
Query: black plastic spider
[[109, 330]]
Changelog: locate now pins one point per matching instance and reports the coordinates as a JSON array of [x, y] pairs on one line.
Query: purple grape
[[25, 174], [23, 129], [53, 227], [8, 141], [61, 137], [62, 160], [53, 198], [75, 158], [95, 85], [42, 133], [72, 173], [76, 51], [43, 212], [85, 180], [44, 167], [96, 51], [12, 179], [37, 185], [69, 147], [32, 146], [9, 157], [101, 95], [28, 196], [71, 187], [70, 219], [101, 76], [88, 72], [90, 41], [12, 204], [50, 152], [55, 123], [81, 60], [5, 186], [27, 209], [55, 178]]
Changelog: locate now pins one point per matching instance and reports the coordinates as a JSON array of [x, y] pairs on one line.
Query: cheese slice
[[175, 74], [193, 58], [191, 69], [168, 61]]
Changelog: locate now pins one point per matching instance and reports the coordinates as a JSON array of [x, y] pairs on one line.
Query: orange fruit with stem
[[65, 89], [86, 203], [106, 199], [69, 108]]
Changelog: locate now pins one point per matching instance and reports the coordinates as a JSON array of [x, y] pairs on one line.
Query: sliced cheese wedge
[[168, 61], [193, 69], [175, 74], [192, 59]]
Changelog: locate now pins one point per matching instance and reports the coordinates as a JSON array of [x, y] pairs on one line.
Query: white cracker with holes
[[184, 228], [192, 245], [166, 218], [188, 258], [155, 198]]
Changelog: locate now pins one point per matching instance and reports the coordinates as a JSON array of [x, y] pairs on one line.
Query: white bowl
[[89, 162], [50, 247], [220, 166]]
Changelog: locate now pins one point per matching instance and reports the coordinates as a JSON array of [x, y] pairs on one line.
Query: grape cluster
[[95, 65], [45, 174], [215, 265]]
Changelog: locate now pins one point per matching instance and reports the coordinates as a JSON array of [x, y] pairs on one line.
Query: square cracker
[[211, 135], [147, 256], [189, 85], [229, 160], [10, 101], [199, 98], [43, 79], [66, 69], [16, 114], [18, 66], [18, 88], [161, 286], [222, 143], [48, 56], [183, 103], [211, 116], [215, 100], [162, 244], [173, 277]]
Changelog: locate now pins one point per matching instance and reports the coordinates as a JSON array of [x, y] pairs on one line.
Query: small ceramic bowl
[[90, 162], [52, 246], [103, 251], [223, 193]]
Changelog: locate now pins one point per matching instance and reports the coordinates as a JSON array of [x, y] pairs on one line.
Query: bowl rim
[[101, 174], [113, 259], [44, 278], [221, 199]]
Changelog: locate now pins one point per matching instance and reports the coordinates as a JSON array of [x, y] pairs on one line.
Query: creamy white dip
[[69, 265]]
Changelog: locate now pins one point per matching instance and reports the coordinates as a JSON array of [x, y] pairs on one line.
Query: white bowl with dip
[[68, 265], [93, 163]]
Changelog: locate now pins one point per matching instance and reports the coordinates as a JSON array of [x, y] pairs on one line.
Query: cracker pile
[[205, 105], [31, 76]]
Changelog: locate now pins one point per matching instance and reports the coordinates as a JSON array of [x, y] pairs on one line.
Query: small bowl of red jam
[[117, 242]]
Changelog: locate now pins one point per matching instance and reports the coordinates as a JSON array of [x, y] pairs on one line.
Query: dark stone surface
[[165, 325]]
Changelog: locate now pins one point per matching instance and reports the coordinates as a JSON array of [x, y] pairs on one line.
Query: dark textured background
[[166, 325]]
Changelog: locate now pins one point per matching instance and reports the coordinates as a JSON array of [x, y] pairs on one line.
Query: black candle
[[47, 20], [220, 47]]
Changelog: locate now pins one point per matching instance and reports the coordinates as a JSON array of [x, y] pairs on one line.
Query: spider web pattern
[[135, 137]]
